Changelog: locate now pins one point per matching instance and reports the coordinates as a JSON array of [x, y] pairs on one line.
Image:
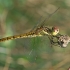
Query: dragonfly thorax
[[50, 31], [47, 31]]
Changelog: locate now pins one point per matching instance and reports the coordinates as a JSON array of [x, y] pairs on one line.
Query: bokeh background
[[21, 16]]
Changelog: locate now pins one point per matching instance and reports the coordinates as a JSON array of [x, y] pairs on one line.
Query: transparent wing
[[41, 22]]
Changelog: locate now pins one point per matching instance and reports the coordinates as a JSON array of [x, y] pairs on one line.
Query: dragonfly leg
[[52, 42]]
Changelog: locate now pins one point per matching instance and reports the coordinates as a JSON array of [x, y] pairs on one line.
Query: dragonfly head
[[55, 30]]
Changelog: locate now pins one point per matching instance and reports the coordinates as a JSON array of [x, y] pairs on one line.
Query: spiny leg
[[51, 38]]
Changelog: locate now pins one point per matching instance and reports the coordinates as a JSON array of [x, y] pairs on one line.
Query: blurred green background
[[21, 16]]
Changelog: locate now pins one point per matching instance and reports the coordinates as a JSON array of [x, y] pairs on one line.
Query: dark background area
[[21, 16]]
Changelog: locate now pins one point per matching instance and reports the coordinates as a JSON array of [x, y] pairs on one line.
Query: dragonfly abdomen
[[26, 35]]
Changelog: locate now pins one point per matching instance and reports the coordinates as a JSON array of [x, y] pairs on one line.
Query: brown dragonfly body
[[41, 31]]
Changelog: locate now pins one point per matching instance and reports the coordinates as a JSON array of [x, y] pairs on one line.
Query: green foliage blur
[[21, 16]]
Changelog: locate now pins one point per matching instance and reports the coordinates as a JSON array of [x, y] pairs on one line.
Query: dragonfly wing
[[37, 25]]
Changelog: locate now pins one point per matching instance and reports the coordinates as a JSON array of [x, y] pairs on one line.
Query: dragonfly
[[62, 40], [38, 32]]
